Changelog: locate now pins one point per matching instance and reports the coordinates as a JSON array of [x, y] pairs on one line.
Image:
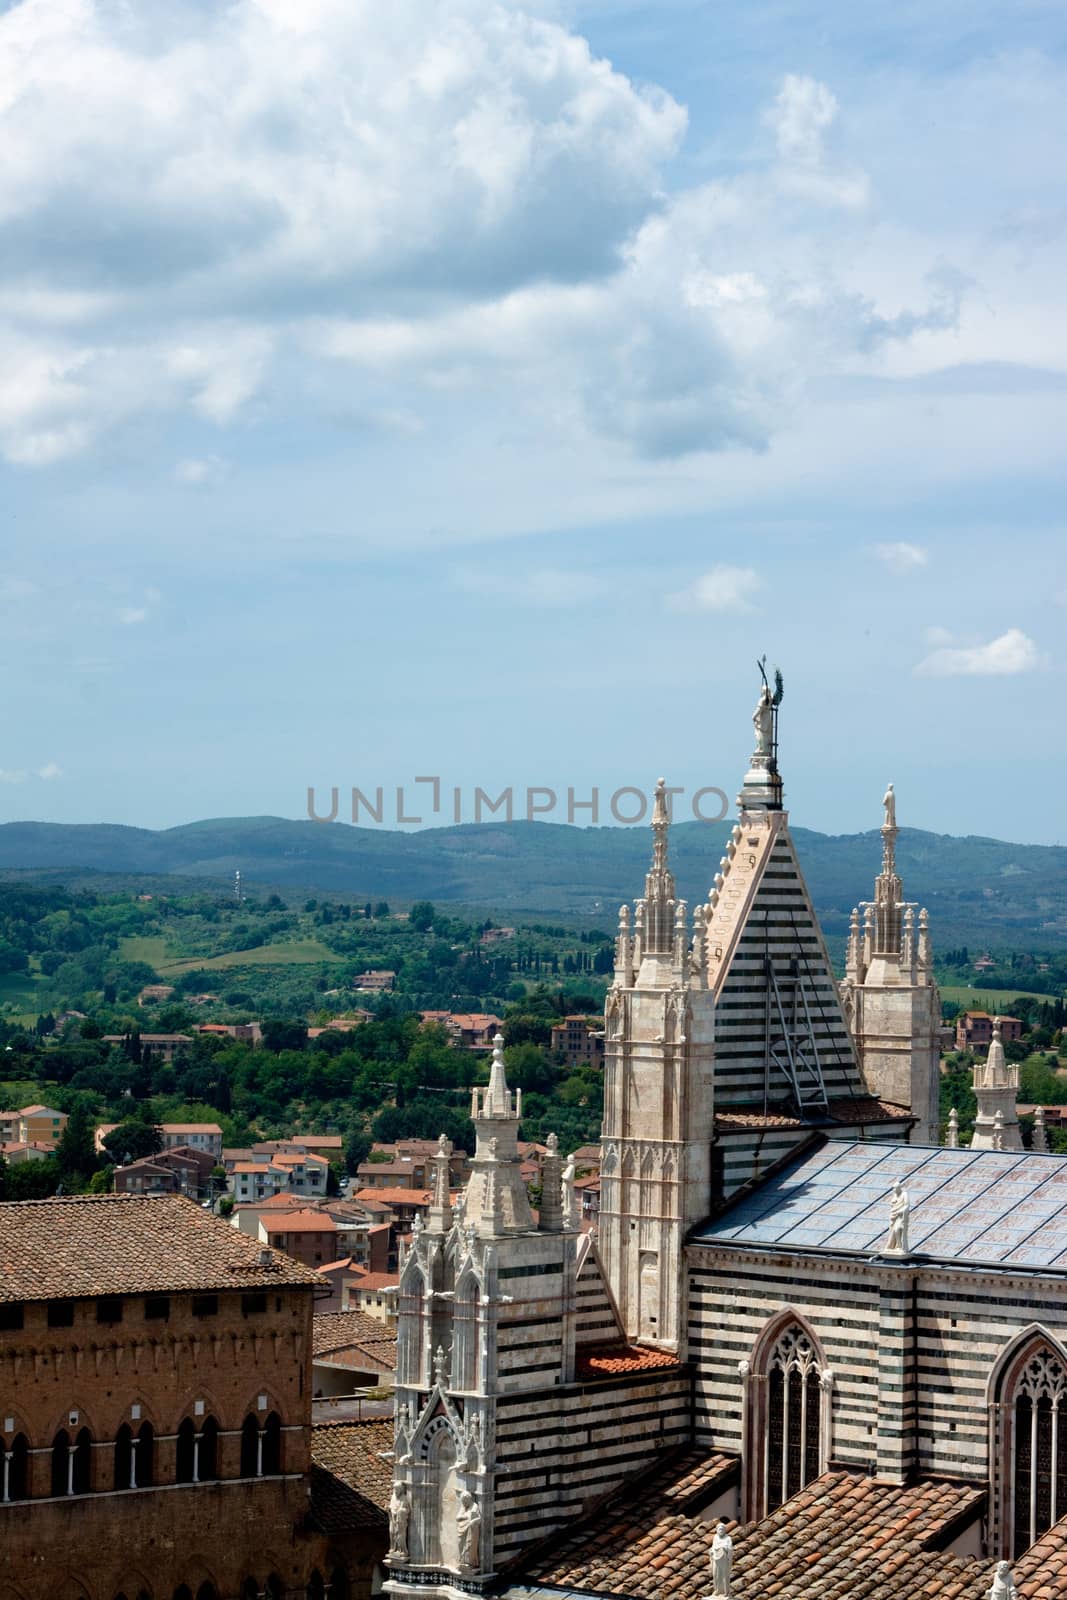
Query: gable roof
[[990, 1207], [82, 1245], [844, 1535]]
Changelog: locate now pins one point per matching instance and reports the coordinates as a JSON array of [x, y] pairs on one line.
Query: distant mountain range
[[979, 891]]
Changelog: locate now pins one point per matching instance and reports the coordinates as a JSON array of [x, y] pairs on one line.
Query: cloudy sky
[[477, 389]]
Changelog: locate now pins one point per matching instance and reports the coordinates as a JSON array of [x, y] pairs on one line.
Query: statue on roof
[[899, 1211], [1003, 1585], [889, 800], [766, 706], [722, 1561]]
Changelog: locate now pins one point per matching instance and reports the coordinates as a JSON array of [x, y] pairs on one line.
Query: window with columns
[[71, 1462], [1038, 1455], [792, 1440], [15, 1457]]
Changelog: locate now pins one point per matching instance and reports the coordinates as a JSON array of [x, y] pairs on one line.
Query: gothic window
[[124, 1469], [250, 1448], [146, 1456], [792, 1440], [272, 1445], [1039, 1448], [186, 1450], [316, 1589], [209, 1450], [71, 1462], [465, 1335], [14, 1454]]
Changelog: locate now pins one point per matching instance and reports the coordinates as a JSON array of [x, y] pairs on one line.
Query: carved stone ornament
[[399, 1517], [722, 1561], [469, 1529]]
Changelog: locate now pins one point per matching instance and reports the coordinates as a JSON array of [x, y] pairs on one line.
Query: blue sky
[[479, 389]]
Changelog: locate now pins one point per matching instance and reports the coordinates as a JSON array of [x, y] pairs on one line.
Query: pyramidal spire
[[888, 889], [996, 1085], [659, 883], [496, 1201]]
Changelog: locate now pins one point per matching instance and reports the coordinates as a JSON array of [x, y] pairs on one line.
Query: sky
[[479, 390]]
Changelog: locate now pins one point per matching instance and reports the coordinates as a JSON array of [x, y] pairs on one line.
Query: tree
[[382, 908], [133, 1139], [33, 1180], [421, 916], [357, 1150], [76, 1156]]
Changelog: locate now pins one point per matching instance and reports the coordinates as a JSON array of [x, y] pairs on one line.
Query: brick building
[[974, 1030], [181, 1170], [155, 1415], [579, 1041]]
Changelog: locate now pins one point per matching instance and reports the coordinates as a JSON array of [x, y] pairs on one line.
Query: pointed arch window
[[793, 1439], [465, 1335], [1038, 1471], [15, 1455]]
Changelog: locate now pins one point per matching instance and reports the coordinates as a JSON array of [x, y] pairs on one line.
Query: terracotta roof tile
[[351, 1452], [338, 1330], [128, 1244], [608, 1361]]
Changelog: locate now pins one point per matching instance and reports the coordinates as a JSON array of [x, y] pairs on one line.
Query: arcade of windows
[[335, 1587], [1033, 1404], [134, 1456]]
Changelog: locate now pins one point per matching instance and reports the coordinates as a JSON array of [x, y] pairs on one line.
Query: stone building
[[155, 1413], [801, 1315]]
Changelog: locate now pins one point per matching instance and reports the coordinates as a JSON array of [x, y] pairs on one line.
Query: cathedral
[[808, 1351]]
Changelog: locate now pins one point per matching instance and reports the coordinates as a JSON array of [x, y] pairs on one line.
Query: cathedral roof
[[844, 1535], [987, 1208]]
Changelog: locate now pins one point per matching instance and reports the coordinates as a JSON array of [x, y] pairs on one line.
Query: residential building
[[373, 1293], [36, 1125], [372, 981], [160, 1046], [350, 1351], [180, 1170], [307, 1236], [14, 1152], [974, 1030], [579, 1041], [155, 993], [409, 1166], [468, 1030]]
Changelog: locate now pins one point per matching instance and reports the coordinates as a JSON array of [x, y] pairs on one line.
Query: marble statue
[[722, 1561], [567, 1186], [468, 1526], [889, 800], [440, 1367], [399, 1516], [899, 1210], [763, 722], [1003, 1585]]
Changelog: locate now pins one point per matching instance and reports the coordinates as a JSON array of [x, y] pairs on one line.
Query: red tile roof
[[300, 1222], [394, 1197], [842, 1537], [350, 1483], [128, 1244], [610, 1360]]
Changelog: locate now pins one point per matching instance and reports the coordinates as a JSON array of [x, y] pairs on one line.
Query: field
[[988, 999], [19, 990], [297, 952]]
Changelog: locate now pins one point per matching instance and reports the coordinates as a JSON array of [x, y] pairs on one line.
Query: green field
[[999, 1000], [296, 952], [19, 989]]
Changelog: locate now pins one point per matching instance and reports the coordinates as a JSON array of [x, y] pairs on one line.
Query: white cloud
[[1009, 653], [802, 112], [902, 557], [721, 588], [131, 615], [49, 771], [200, 472], [426, 196]]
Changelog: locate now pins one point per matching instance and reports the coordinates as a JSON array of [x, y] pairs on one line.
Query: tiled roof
[[843, 1537], [611, 1360], [299, 1222], [862, 1109], [128, 1244], [609, 1550], [351, 1452], [334, 1330], [867, 1108], [398, 1197]]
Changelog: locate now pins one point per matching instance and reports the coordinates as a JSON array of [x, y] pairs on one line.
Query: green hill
[[979, 891]]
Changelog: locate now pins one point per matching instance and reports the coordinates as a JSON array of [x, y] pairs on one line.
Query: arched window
[[250, 1467], [146, 1457], [275, 1587], [250, 1589], [1037, 1408], [340, 1588], [125, 1471], [183, 1592], [185, 1453], [71, 1462], [793, 1429], [208, 1465], [207, 1591], [465, 1334], [15, 1458], [316, 1589], [272, 1445]]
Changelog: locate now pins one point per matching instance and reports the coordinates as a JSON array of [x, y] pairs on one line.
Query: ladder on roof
[[793, 1050]]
